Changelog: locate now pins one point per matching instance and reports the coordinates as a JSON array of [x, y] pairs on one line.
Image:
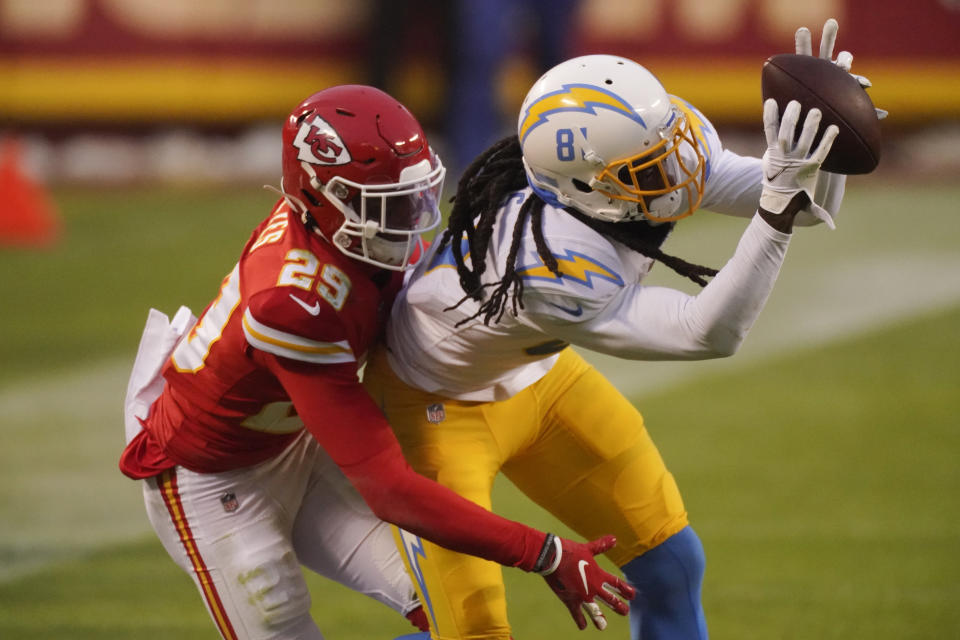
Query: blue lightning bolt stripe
[[699, 126], [415, 544], [445, 258], [585, 98], [575, 266]]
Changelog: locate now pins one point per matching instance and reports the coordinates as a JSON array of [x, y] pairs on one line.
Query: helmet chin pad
[[395, 253], [663, 208], [378, 250]]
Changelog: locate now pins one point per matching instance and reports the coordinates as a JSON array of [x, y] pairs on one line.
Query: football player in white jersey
[[551, 235]]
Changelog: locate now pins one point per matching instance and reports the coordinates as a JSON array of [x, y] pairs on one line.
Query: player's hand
[[573, 574], [790, 169], [804, 47], [830, 186]]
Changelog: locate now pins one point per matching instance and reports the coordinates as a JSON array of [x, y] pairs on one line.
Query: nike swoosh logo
[[312, 310], [582, 565], [776, 175], [576, 312]]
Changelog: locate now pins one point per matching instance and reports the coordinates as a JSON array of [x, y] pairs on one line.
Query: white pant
[[242, 536]]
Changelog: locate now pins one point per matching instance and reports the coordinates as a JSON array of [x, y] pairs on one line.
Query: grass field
[[819, 464]]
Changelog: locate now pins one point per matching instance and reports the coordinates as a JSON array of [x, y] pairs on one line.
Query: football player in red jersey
[[260, 450]]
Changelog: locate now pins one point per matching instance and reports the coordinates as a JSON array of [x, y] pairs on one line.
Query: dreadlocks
[[482, 191]]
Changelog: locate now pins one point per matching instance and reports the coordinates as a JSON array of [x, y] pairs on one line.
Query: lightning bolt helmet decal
[[599, 133], [586, 98]]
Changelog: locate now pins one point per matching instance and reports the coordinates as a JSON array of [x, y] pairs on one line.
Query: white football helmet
[[600, 133]]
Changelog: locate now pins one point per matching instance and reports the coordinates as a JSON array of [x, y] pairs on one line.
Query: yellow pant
[[571, 442]]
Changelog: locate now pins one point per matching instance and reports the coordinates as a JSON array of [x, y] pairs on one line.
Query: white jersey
[[598, 302]]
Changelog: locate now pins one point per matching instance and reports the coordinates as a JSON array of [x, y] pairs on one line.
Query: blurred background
[[106, 91], [819, 464]]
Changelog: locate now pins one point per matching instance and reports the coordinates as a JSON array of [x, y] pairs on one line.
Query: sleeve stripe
[[292, 346]]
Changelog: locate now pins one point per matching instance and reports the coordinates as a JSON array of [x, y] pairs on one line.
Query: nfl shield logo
[[229, 502], [436, 413]]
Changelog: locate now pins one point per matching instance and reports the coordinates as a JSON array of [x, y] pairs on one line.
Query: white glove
[[790, 168], [844, 59], [830, 186]]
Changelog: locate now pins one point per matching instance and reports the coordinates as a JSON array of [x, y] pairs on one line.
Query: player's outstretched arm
[[341, 415], [830, 186], [661, 323]]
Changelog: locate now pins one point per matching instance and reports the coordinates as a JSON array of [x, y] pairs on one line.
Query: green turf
[[823, 486], [136, 592], [122, 252]]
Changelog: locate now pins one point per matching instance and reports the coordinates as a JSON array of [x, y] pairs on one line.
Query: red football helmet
[[357, 164]]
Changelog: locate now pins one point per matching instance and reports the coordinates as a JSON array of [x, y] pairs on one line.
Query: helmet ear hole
[[340, 191], [342, 239], [580, 185]]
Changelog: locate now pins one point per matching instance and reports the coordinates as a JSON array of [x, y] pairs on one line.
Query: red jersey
[[291, 326], [291, 295]]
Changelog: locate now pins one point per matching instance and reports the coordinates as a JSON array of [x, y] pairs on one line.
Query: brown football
[[815, 82]]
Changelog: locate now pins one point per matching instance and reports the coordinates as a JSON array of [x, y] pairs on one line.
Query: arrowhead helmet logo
[[319, 143]]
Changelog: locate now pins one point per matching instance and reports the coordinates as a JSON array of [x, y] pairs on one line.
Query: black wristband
[[539, 565]]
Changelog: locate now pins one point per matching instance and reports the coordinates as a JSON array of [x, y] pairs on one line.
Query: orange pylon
[[28, 216]]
